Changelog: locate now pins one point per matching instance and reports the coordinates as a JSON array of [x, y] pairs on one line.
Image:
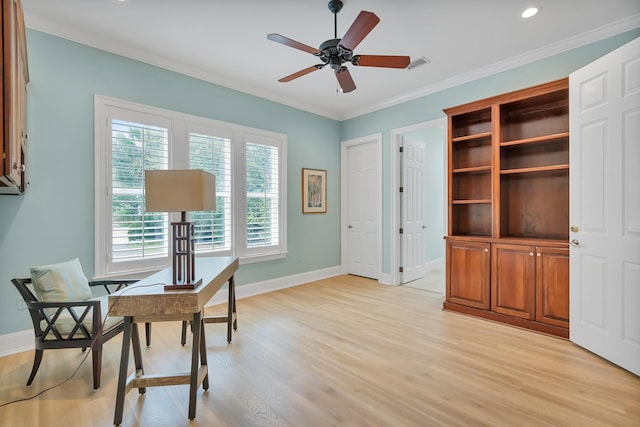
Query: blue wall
[[54, 220], [430, 107]]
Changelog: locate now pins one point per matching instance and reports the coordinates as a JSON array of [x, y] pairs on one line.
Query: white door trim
[[396, 140], [375, 139]]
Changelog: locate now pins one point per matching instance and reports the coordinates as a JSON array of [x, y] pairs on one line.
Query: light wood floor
[[344, 351]]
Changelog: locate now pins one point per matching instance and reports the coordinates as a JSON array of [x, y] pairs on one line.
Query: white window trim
[[181, 124]]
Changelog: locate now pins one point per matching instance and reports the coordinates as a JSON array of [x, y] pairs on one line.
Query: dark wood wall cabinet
[[15, 76], [507, 244]]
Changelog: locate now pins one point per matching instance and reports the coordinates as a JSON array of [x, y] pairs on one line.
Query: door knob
[[575, 243], [574, 229], [349, 226]]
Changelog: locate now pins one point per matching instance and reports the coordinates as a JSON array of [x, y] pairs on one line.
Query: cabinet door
[[552, 286], [513, 280], [468, 268]]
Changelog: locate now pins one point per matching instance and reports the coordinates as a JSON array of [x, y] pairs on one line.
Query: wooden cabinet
[[513, 280], [509, 201], [552, 286], [468, 273], [15, 76]]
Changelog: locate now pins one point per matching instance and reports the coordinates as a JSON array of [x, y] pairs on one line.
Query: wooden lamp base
[[183, 286]]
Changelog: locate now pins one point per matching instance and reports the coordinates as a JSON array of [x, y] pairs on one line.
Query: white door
[[363, 209], [412, 210], [604, 154]]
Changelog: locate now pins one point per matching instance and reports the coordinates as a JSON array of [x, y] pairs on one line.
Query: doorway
[[361, 206], [414, 258]]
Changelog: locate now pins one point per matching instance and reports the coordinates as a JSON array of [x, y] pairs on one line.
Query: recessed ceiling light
[[530, 11]]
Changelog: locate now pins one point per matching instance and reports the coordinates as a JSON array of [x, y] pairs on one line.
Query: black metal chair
[[73, 324]]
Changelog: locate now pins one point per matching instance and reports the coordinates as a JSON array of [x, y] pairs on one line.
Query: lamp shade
[[179, 190]]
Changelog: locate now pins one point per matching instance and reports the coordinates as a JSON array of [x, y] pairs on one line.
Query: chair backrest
[[29, 298]]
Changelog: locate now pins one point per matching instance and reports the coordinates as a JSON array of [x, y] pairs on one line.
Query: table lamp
[[181, 190]]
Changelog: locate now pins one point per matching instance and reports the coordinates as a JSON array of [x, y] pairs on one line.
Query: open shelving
[[509, 208], [470, 157]]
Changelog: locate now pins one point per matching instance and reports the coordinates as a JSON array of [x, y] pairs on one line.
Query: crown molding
[[600, 33]]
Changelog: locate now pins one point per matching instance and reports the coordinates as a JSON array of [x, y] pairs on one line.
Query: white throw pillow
[[64, 281]]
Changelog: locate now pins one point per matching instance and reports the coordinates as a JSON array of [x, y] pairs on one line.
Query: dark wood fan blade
[[364, 23], [344, 79], [301, 73], [386, 61], [292, 43]]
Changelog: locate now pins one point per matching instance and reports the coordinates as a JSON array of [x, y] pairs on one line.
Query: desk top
[[148, 301]]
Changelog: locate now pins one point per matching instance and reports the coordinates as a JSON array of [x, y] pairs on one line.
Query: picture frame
[[314, 191]]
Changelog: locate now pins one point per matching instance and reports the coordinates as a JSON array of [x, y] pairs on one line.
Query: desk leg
[[195, 359], [137, 354], [203, 356], [231, 309], [122, 375]]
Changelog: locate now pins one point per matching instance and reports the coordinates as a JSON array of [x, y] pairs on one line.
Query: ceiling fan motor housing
[[333, 55]]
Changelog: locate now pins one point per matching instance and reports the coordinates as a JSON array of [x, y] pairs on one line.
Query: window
[[249, 165]]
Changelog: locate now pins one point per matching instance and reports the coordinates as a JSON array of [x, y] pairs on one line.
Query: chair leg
[[183, 339], [96, 356], [147, 331], [37, 358]]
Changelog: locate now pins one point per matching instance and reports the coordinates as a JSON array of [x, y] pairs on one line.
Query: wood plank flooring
[[344, 351]]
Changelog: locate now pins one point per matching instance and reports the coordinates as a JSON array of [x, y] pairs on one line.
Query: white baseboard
[[18, 342], [386, 279], [436, 264], [271, 285]]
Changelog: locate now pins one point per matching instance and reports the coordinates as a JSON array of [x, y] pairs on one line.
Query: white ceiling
[[224, 41]]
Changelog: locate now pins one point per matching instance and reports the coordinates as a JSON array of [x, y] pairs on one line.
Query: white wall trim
[[396, 140], [97, 42], [16, 342], [20, 341], [386, 279], [435, 264], [601, 33]]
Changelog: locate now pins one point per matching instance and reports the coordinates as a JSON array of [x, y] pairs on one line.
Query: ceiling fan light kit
[[336, 52]]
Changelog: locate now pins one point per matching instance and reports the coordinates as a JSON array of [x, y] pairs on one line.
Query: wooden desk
[[147, 301]]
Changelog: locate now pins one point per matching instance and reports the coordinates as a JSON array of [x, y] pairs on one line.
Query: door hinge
[[401, 230], [402, 149], [401, 269], [402, 189]]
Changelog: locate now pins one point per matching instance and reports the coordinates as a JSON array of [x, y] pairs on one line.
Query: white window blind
[[213, 229], [135, 233], [263, 191]]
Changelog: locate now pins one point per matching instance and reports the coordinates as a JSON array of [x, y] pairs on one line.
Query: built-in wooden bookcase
[[534, 167], [470, 173], [509, 200]]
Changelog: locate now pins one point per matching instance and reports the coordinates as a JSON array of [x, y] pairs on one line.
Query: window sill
[[250, 259], [142, 273]]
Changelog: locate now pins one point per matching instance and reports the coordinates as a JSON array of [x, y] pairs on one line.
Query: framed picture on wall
[[314, 191]]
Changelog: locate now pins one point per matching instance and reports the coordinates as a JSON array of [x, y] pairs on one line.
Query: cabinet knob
[[538, 254], [486, 250], [574, 229], [530, 253]]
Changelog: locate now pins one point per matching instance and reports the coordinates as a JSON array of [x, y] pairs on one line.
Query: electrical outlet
[[21, 304]]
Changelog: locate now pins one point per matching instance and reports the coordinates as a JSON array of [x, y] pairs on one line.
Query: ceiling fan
[[336, 52]]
